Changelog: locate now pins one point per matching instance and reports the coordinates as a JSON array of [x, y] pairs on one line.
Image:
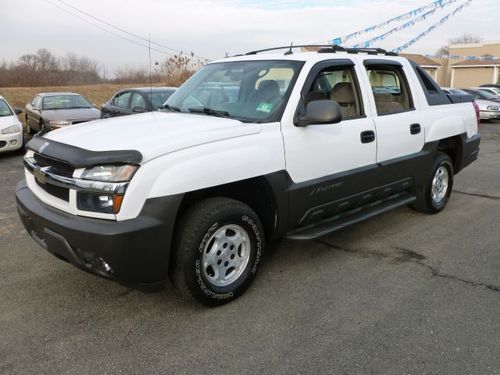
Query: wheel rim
[[440, 184], [226, 255]]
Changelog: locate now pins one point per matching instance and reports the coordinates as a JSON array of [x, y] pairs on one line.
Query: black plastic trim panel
[[80, 158]]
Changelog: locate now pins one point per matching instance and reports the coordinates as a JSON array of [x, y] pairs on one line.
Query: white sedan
[[11, 129]]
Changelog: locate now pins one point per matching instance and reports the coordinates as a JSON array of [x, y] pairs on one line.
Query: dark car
[[136, 100], [496, 85], [480, 94], [49, 111]]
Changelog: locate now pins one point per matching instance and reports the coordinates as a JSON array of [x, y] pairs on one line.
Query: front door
[[329, 162]]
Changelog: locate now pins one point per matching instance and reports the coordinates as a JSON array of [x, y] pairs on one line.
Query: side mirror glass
[[18, 111], [320, 112]]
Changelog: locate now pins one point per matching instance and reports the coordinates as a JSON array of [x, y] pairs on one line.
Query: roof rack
[[325, 48]]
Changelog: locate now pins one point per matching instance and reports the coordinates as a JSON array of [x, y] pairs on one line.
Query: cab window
[[337, 83], [390, 89]]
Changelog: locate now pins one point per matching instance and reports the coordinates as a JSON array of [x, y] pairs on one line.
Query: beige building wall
[[477, 49], [431, 71], [470, 77]]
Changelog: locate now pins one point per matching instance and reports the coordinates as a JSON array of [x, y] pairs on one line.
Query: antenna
[[150, 69], [289, 52]]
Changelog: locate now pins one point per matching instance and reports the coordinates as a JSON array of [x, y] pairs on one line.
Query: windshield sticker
[[265, 107]]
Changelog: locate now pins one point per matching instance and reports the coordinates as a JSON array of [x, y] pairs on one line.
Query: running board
[[345, 219]]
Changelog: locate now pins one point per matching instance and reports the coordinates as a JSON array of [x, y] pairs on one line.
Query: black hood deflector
[[79, 157]]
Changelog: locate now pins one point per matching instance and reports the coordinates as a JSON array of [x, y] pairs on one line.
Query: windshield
[[5, 109], [458, 92], [65, 102], [494, 91], [249, 91], [485, 94], [158, 98]]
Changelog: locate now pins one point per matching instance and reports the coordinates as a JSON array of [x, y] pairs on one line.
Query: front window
[[5, 109], [65, 102], [249, 91]]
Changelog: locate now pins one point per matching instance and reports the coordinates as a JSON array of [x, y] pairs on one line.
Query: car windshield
[[158, 98], [458, 92], [65, 102], [491, 90], [249, 91], [485, 94], [5, 109]]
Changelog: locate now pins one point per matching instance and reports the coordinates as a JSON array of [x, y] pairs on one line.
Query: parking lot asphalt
[[403, 293]]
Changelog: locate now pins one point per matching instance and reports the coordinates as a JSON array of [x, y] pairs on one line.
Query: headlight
[[12, 130], [492, 108], [59, 122], [110, 173], [97, 202]]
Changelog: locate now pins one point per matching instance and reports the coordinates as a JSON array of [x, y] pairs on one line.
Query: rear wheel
[[218, 248], [434, 195]]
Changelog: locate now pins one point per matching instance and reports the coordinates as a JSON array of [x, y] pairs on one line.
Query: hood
[[483, 104], [152, 134], [75, 114], [6, 121]]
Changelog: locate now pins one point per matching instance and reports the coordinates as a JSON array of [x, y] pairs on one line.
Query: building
[[474, 64], [471, 73]]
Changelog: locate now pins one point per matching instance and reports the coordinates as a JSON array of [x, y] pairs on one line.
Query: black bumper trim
[[137, 250]]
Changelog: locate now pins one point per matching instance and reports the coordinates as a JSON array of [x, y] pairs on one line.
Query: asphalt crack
[[404, 255], [477, 195]]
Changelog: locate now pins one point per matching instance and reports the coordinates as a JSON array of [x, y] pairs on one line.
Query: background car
[[11, 129], [491, 90], [136, 100], [49, 111], [488, 109], [479, 94]]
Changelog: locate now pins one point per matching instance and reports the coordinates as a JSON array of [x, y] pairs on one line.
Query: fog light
[[13, 142], [103, 266]]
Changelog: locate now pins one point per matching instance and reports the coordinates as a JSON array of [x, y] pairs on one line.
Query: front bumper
[[11, 142], [133, 252], [489, 115]]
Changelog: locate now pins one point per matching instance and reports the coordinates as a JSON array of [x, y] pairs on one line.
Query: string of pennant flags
[[405, 25], [432, 28], [412, 17], [403, 17]]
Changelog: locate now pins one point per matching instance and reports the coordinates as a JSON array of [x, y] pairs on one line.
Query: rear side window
[[138, 102], [390, 89], [432, 92]]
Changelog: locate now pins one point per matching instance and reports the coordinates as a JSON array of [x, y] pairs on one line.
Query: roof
[[154, 89], [57, 93], [420, 59], [474, 45], [483, 62]]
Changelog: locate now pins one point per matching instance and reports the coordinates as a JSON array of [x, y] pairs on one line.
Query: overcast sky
[[211, 28]]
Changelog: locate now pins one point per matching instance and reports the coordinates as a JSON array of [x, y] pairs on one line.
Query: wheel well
[[452, 147], [255, 192]]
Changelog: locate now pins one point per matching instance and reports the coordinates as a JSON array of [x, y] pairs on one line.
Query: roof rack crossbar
[[326, 48]]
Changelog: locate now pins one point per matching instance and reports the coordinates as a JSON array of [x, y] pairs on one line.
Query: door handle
[[367, 136], [415, 128]]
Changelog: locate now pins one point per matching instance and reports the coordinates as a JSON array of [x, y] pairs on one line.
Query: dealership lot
[[402, 293]]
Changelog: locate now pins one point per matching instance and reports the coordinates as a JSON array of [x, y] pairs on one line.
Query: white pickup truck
[[251, 148]]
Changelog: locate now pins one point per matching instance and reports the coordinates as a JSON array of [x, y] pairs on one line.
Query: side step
[[345, 219]]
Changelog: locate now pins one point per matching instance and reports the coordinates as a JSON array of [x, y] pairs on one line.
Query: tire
[[214, 274], [440, 177]]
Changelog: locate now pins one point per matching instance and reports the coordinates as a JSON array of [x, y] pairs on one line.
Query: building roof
[[420, 59], [474, 45], [483, 62]]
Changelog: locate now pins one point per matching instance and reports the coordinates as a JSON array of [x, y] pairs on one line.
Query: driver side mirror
[[18, 111], [138, 109], [320, 112]]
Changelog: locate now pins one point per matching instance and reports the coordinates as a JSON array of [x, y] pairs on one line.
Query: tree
[[464, 39]]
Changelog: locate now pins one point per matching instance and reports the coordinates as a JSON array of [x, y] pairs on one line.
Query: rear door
[[400, 133], [329, 162]]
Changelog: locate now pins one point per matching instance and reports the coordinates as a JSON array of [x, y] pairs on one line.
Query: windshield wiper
[[170, 108], [210, 112]]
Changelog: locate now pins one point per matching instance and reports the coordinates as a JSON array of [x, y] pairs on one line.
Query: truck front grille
[[58, 167]]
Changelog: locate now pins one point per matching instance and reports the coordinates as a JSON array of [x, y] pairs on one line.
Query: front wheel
[[434, 195], [218, 248]]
